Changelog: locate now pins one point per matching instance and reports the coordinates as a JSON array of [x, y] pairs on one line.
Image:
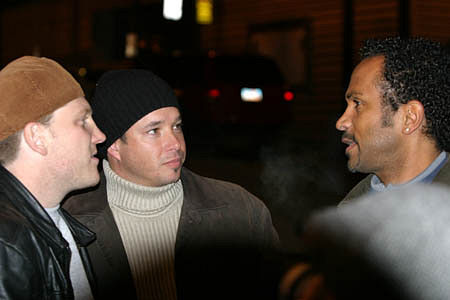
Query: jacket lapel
[[25, 202]]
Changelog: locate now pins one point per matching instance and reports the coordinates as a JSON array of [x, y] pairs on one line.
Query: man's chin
[[177, 175], [174, 177], [352, 166], [93, 180], [358, 167], [352, 170]]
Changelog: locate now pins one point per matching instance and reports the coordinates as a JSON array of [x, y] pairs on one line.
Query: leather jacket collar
[[27, 204]]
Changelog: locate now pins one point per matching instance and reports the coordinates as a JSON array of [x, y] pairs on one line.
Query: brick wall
[[61, 27], [372, 18], [230, 32], [431, 18], [45, 28]]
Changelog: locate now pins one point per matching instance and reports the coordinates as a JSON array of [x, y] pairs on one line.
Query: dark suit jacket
[[224, 236]]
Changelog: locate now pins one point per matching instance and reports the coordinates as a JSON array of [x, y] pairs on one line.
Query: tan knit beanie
[[30, 88]]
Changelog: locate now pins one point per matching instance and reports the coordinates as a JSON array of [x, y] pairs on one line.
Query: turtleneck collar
[[137, 199]]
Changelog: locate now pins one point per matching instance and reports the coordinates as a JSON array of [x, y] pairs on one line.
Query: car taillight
[[213, 93], [288, 96]]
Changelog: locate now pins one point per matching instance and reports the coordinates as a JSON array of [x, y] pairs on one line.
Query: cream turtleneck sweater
[[147, 218]]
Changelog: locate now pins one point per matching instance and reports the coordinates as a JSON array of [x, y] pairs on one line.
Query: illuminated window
[[131, 43]]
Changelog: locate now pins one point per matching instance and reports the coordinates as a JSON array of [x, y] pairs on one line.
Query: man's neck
[[38, 183], [406, 170]]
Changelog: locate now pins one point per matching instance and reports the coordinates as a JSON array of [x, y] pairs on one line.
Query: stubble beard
[[354, 167]]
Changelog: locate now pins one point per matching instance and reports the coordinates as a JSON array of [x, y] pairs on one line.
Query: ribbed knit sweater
[[147, 218]]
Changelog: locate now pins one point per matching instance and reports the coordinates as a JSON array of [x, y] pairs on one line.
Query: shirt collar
[[426, 176]]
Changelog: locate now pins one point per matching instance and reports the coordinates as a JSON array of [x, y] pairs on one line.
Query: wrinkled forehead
[[74, 107], [370, 65], [368, 71], [165, 115]]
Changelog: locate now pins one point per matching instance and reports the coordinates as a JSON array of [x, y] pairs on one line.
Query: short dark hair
[[9, 147], [416, 69]]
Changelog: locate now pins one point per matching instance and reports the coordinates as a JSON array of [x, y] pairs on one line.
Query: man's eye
[[152, 131], [178, 126], [84, 121]]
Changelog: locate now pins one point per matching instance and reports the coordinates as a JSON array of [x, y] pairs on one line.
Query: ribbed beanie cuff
[[123, 97]]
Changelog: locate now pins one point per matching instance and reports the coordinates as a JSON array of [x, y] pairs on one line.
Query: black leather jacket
[[34, 257]]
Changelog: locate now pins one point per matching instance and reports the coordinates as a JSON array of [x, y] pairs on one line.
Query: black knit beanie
[[123, 97]]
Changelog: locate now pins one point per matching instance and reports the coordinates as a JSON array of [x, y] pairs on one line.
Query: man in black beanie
[[164, 232]]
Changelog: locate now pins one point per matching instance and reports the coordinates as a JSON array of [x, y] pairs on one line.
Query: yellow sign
[[204, 11]]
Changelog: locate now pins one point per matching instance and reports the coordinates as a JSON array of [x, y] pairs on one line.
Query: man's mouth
[[93, 156], [349, 148], [349, 140], [173, 163]]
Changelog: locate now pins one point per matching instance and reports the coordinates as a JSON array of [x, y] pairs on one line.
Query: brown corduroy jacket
[[225, 234]]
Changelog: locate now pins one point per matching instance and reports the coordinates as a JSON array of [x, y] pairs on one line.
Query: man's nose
[[344, 121], [173, 142], [98, 136]]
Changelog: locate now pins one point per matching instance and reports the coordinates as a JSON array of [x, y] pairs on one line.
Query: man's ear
[[35, 136], [414, 116], [114, 150]]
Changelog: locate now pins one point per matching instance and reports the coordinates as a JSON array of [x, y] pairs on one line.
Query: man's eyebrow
[[352, 94], [156, 123], [152, 124], [85, 111]]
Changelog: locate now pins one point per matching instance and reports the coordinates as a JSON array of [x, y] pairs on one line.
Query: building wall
[[36, 29], [229, 34], [61, 28], [372, 18], [53, 28], [431, 18]]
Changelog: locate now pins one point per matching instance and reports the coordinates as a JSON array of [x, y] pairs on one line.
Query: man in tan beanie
[[47, 146]]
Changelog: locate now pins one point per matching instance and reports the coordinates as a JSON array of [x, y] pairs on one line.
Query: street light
[[173, 9]]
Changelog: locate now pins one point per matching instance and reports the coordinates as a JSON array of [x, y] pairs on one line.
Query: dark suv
[[235, 90]]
